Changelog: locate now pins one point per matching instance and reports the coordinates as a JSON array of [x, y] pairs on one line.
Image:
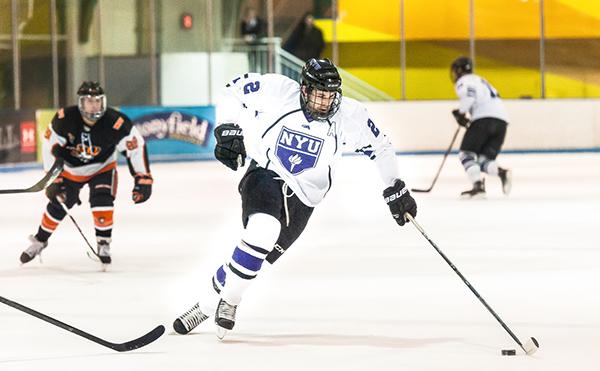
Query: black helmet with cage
[[92, 93], [460, 67], [320, 89]]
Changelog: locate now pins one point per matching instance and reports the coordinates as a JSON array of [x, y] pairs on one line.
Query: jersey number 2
[[373, 128], [251, 87]]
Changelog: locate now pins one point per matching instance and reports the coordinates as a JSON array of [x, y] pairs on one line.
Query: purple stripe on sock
[[246, 260], [220, 275]]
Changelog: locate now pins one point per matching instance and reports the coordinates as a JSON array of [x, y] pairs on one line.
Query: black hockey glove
[[230, 149], [400, 201], [57, 189], [461, 118], [142, 189]]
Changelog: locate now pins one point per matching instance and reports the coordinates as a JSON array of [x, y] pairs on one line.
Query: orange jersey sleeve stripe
[[118, 123]]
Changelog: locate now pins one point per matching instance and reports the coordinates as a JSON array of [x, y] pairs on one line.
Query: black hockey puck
[[509, 352]]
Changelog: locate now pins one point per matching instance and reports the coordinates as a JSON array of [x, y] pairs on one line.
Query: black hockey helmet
[[91, 90], [320, 75], [460, 67]]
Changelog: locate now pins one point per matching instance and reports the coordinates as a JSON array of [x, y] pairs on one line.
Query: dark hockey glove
[[57, 189], [230, 149], [142, 189], [400, 201], [461, 118]]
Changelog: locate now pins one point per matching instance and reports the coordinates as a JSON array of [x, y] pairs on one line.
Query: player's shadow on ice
[[336, 340]]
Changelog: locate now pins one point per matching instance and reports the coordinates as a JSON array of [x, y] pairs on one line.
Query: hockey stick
[[97, 259], [530, 346], [52, 174], [119, 347], [441, 166]]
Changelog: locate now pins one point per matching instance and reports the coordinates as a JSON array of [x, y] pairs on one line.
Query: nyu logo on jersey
[[297, 151]]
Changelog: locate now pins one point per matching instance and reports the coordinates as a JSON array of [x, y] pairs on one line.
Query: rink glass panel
[[572, 50]]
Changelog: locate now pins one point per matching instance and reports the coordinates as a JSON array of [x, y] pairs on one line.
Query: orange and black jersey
[[87, 150], [89, 144]]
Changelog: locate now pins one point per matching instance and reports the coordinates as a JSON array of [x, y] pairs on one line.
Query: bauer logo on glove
[[400, 201], [230, 149]]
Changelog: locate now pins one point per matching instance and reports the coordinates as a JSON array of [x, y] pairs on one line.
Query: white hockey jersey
[[280, 137], [479, 98]]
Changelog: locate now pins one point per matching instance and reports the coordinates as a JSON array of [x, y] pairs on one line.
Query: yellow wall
[[360, 22], [449, 19]]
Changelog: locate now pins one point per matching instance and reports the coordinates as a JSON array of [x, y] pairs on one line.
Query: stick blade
[[50, 176], [420, 190], [141, 341], [531, 346]]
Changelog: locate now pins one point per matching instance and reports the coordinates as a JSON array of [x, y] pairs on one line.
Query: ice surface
[[355, 292]]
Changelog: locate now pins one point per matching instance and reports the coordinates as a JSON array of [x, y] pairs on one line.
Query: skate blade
[[221, 332], [507, 186]]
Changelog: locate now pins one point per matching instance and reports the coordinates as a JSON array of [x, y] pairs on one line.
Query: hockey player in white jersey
[[293, 135], [486, 127]]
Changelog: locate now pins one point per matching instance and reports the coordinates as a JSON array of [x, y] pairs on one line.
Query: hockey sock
[[258, 239], [50, 220], [103, 220], [488, 166], [469, 162]]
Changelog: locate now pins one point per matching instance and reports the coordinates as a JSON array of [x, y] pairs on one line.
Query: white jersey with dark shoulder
[[479, 98], [304, 152]]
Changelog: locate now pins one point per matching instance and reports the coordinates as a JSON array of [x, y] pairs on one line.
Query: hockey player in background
[[87, 137], [486, 127], [294, 134]]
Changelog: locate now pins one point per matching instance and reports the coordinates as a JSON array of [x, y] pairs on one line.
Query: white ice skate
[[189, 320], [224, 318], [103, 249], [33, 250]]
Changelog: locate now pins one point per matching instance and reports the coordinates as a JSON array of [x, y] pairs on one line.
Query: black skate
[[506, 178], [189, 320], [33, 250], [103, 249], [477, 192], [224, 318]]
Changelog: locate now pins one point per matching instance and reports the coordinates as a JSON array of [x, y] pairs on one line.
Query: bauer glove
[[230, 149], [400, 201]]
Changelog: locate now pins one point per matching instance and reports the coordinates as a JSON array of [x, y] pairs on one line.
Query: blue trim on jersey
[[279, 119], [246, 260]]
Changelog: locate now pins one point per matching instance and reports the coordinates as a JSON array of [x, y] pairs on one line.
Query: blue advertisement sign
[[175, 133]]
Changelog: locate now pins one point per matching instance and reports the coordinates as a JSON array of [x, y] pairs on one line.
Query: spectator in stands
[[306, 41], [252, 27], [251, 30]]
